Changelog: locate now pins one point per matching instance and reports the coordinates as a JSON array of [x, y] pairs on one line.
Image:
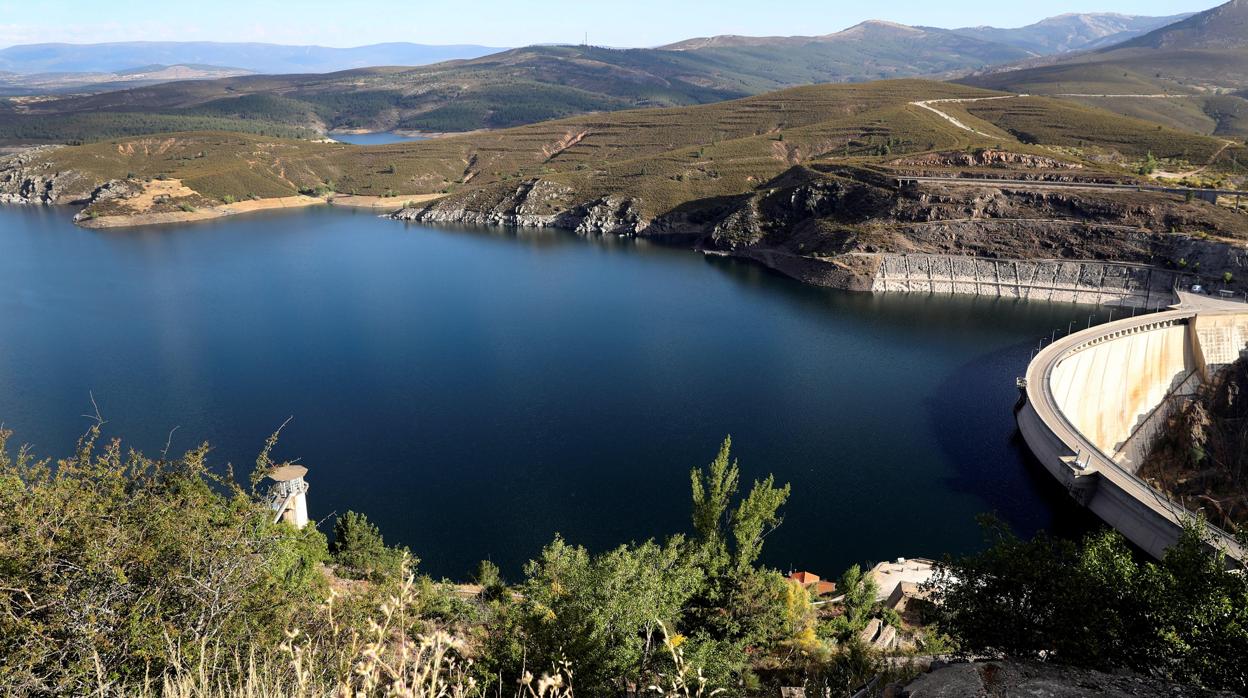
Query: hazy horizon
[[497, 23]]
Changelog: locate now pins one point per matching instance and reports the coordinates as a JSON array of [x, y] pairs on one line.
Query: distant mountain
[[1191, 74], [509, 88], [17, 84], [867, 51], [1203, 53], [870, 49], [1223, 27], [254, 57], [1072, 32]]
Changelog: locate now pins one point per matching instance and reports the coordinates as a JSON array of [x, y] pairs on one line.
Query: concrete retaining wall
[[1107, 283]]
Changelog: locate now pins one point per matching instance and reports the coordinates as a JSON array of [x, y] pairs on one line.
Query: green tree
[[1092, 603], [747, 526], [359, 549], [602, 613]]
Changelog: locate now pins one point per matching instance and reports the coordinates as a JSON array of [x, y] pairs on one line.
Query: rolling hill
[[504, 89], [804, 180], [23, 84], [661, 157]]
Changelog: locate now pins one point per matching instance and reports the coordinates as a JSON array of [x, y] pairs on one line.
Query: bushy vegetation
[[360, 551], [115, 566], [1201, 456], [123, 574], [1094, 604], [90, 127]]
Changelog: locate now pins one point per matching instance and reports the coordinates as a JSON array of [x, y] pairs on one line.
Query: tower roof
[[284, 473]]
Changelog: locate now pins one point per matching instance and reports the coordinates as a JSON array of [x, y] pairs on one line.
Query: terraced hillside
[[505, 89], [799, 177]]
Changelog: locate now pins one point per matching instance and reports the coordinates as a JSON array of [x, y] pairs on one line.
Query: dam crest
[[1095, 402]]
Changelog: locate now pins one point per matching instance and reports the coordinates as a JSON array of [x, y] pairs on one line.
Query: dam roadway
[[1095, 400]]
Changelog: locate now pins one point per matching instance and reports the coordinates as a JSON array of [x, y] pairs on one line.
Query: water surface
[[375, 138], [475, 392]]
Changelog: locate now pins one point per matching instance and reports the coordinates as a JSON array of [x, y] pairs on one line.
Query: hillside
[[508, 88], [1187, 75], [19, 84], [251, 57], [799, 177]]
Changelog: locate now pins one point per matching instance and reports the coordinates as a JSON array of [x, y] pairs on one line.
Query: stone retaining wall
[[1107, 283]]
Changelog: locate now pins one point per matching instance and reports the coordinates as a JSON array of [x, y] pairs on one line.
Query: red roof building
[[813, 583]]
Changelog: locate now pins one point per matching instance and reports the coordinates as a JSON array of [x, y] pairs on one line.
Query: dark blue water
[[375, 138], [475, 392]]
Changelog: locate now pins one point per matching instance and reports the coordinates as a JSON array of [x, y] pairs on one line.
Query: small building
[[812, 583], [901, 579]]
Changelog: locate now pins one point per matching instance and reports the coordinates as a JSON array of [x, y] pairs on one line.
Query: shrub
[[359, 549], [117, 565], [1093, 604]]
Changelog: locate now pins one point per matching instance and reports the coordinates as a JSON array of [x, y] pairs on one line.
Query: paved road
[[1028, 184]]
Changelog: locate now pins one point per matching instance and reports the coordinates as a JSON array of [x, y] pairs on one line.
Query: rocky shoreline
[[833, 232], [827, 227]]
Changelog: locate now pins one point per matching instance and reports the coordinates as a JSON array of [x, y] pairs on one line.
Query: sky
[[507, 23]]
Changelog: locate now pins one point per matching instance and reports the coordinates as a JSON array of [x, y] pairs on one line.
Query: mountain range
[[536, 83], [1192, 74], [1073, 32], [249, 57]]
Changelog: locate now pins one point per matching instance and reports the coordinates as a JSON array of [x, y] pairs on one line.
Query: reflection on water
[[476, 391]]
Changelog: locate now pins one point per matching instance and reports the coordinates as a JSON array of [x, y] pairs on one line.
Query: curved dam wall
[[1095, 401], [1111, 389]]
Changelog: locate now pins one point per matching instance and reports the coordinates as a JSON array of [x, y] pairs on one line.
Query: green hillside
[[662, 157], [502, 90]]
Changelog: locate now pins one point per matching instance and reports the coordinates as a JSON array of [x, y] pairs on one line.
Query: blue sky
[[509, 22]]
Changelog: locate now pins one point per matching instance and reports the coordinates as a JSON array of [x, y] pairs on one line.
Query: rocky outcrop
[[988, 157], [1035, 680], [24, 180], [536, 203]]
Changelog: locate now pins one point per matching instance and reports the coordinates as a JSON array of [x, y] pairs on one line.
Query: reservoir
[[374, 138], [477, 391]]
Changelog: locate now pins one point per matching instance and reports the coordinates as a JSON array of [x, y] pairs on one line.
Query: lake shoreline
[[140, 219]]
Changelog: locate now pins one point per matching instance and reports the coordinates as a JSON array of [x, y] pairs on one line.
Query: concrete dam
[[1096, 400]]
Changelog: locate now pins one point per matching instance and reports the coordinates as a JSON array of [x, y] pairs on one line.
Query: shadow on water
[[993, 464]]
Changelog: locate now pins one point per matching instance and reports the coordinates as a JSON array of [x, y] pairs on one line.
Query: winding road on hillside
[[927, 104]]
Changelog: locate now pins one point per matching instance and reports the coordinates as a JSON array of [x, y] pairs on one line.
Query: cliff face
[[23, 181], [805, 219]]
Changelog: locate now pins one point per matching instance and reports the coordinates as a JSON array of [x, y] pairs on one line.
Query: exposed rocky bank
[[817, 225]]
